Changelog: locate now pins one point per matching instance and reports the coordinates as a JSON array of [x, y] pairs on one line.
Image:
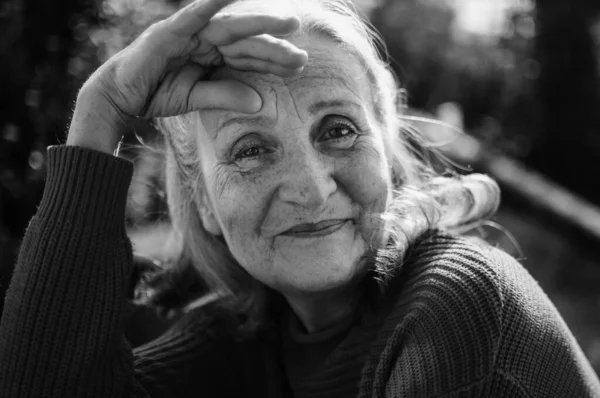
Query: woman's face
[[294, 188]]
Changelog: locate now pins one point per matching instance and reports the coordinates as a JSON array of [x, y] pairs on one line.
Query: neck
[[320, 311]]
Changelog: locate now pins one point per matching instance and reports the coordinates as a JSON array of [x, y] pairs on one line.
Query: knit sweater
[[467, 320]]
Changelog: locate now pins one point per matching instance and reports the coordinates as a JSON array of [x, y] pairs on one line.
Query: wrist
[[96, 123]]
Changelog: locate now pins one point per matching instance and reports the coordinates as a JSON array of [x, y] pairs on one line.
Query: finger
[[227, 29], [261, 66], [195, 16], [224, 94], [267, 48]]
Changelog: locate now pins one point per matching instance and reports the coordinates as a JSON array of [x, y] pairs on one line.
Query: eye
[[249, 151], [338, 131]]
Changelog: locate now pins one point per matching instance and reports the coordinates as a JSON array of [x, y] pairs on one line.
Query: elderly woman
[[323, 242]]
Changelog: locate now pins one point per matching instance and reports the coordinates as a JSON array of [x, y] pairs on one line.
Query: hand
[[161, 73]]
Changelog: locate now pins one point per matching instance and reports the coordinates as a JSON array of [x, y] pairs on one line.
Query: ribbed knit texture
[[61, 330], [470, 321], [466, 321]]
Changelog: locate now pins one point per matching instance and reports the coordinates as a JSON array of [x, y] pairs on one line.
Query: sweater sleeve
[[61, 332]]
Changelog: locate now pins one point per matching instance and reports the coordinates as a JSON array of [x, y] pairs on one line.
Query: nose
[[308, 180]]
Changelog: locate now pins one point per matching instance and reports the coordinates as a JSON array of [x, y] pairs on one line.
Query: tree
[[569, 94]]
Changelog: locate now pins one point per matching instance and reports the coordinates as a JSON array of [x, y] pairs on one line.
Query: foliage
[[531, 92], [522, 96]]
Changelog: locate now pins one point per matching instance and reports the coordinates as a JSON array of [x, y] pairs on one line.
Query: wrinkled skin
[[313, 152]]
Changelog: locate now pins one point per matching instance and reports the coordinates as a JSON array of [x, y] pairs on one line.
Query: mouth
[[322, 228]]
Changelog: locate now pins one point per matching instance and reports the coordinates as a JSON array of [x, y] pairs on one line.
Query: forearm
[[61, 332]]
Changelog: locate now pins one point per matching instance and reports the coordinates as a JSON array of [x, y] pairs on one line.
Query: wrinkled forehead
[[320, 70], [331, 71]]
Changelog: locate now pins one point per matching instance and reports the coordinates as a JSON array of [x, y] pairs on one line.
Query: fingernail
[[292, 23], [256, 103], [304, 55]]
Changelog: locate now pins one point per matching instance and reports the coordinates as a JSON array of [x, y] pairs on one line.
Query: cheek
[[240, 205], [241, 211], [366, 178]]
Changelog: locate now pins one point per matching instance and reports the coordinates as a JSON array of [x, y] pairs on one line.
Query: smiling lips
[[311, 230]]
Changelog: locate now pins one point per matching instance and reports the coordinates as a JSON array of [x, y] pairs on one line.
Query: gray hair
[[422, 200]]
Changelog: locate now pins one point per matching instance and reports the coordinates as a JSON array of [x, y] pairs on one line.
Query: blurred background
[[519, 77]]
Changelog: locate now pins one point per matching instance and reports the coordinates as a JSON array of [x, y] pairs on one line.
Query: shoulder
[[465, 275], [447, 312], [445, 326], [469, 291], [467, 316]]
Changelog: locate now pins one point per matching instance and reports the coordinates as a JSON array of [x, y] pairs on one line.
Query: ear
[[208, 218]]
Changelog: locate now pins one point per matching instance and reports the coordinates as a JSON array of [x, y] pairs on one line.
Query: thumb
[[224, 94]]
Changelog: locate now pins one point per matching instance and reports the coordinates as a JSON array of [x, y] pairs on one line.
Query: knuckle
[[155, 27]]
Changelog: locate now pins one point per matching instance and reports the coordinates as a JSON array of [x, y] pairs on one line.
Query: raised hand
[[162, 73]]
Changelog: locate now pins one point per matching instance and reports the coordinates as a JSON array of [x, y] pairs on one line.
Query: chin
[[320, 264]]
